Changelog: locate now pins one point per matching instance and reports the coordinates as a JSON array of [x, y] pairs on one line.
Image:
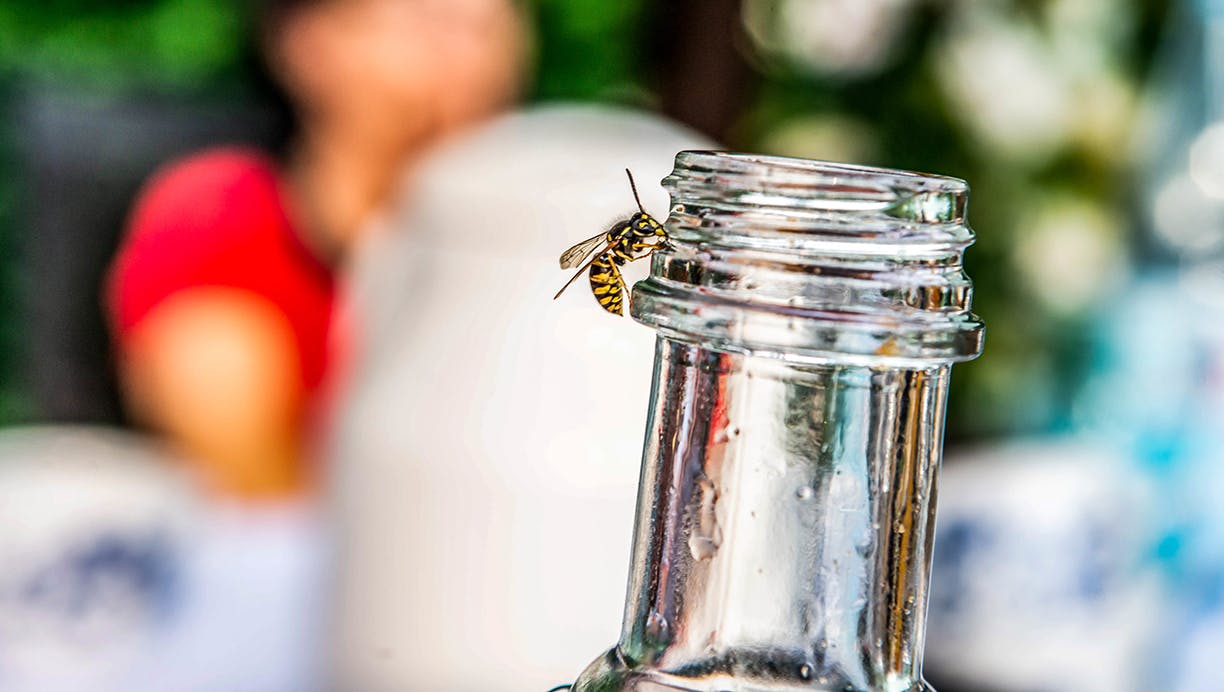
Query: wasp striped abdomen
[[607, 284]]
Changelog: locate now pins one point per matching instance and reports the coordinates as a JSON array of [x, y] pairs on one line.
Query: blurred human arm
[[221, 317], [216, 371]]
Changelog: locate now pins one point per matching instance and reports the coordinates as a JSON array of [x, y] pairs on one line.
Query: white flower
[[1004, 84], [1186, 218], [1070, 253], [1088, 35], [846, 37], [1207, 161]]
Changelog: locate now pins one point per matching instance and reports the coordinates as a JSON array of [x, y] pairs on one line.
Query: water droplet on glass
[[805, 672], [656, 626], [804, 493], [702, 547], [706, 534]]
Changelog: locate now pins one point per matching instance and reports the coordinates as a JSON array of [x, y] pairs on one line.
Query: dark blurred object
[[705, 78], [81, 159], [686, 58]]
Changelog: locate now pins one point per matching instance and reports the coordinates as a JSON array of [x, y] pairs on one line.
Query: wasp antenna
[[633, 186]]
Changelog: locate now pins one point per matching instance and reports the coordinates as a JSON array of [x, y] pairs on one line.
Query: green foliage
[[176, 43], [591, 50]]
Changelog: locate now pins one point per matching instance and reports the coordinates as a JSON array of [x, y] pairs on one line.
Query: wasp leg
[[648, 247]]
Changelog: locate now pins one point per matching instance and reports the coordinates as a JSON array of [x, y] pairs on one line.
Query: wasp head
[[644, 226]]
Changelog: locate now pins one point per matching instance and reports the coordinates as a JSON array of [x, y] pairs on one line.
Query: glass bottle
[[807, 316]]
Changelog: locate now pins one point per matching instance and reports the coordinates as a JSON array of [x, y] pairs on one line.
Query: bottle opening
[[813, 261], [802, 183]]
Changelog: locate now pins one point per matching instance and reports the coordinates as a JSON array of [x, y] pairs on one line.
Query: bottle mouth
[[804, 182], [813, 261]]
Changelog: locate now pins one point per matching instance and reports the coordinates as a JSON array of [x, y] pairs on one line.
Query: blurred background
[[1081, 539]]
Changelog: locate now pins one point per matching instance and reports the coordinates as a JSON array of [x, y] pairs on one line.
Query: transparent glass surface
[[808, 315]]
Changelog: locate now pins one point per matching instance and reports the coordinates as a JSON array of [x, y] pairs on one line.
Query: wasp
[[627, 240]]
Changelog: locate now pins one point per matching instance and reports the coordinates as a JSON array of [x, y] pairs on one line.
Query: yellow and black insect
[[625, 241]]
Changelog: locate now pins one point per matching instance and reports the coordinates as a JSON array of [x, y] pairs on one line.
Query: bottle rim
[[766, 181], [737, 161]]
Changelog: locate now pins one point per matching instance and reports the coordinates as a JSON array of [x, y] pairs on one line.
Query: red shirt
[[219, 219]]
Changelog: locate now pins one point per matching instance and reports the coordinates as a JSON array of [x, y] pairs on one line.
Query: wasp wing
[[590, 260], [581, 252]]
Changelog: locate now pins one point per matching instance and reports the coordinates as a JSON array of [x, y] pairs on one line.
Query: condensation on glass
[[808, 314]]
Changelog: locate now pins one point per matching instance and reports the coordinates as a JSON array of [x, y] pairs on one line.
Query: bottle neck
[[784, 524], [807, 314]]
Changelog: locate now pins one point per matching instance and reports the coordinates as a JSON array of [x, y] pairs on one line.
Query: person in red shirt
[[221, 296]]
